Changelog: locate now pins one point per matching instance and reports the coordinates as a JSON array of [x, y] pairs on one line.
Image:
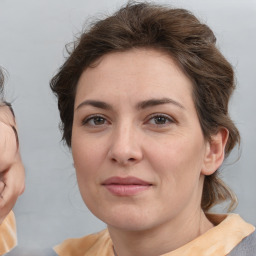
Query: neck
[[160, 240]]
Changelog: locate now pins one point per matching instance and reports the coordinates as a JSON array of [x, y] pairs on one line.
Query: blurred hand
[[12, 174]]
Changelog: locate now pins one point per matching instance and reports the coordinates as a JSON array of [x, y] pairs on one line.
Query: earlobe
[[215, 151]]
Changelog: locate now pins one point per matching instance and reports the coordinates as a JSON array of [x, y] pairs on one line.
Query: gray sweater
[[247, 247]]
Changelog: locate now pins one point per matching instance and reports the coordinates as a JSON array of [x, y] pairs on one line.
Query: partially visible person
[[12, 174]]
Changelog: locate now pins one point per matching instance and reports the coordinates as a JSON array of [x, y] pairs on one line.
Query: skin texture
[[12, 175], [161, 144]]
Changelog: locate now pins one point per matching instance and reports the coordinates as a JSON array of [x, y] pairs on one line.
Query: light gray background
[[32, 38]]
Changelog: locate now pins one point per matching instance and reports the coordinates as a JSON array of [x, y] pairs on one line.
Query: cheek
[[88, 157], [85, 158], [178, 175], [178, 161]]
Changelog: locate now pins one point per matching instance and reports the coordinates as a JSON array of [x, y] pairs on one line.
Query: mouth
[[127, 186]]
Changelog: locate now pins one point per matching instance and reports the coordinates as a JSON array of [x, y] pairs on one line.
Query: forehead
[[136, 71]]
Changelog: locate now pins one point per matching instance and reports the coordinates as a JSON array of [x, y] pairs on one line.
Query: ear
[[215, 152]]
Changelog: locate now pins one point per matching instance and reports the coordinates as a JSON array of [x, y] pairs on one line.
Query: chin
[[126, 218], [129, 224]]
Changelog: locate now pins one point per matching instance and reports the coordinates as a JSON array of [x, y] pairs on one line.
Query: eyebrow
[[140, 105], [156, 102], [96, 104]]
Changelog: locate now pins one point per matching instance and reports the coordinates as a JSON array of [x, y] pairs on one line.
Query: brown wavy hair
[[178, 33], [1, 82]]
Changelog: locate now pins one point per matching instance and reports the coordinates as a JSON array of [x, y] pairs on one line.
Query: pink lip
[[127, 186]]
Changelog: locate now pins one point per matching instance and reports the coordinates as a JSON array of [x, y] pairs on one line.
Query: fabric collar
[[229, 230]]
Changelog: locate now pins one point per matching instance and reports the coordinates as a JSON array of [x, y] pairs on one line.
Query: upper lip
[[125, 181]]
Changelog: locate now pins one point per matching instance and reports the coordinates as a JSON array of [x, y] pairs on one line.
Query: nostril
[[113, 160], [122, 161]]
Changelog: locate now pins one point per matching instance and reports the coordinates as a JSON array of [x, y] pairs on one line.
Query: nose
[[125, 148]]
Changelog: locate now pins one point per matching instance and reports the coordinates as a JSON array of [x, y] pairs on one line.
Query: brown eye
[[98, 120], [94, 121], [160, 120]]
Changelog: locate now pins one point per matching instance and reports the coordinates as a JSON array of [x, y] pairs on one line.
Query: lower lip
[[126, 190]]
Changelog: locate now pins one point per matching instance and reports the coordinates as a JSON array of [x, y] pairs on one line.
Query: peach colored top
[[8, 238], [218, 241]]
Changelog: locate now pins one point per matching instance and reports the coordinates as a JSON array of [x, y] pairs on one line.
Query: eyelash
[[166, 118], [86, 121]]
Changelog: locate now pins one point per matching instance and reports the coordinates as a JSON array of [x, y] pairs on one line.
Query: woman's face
[[137, 144]]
